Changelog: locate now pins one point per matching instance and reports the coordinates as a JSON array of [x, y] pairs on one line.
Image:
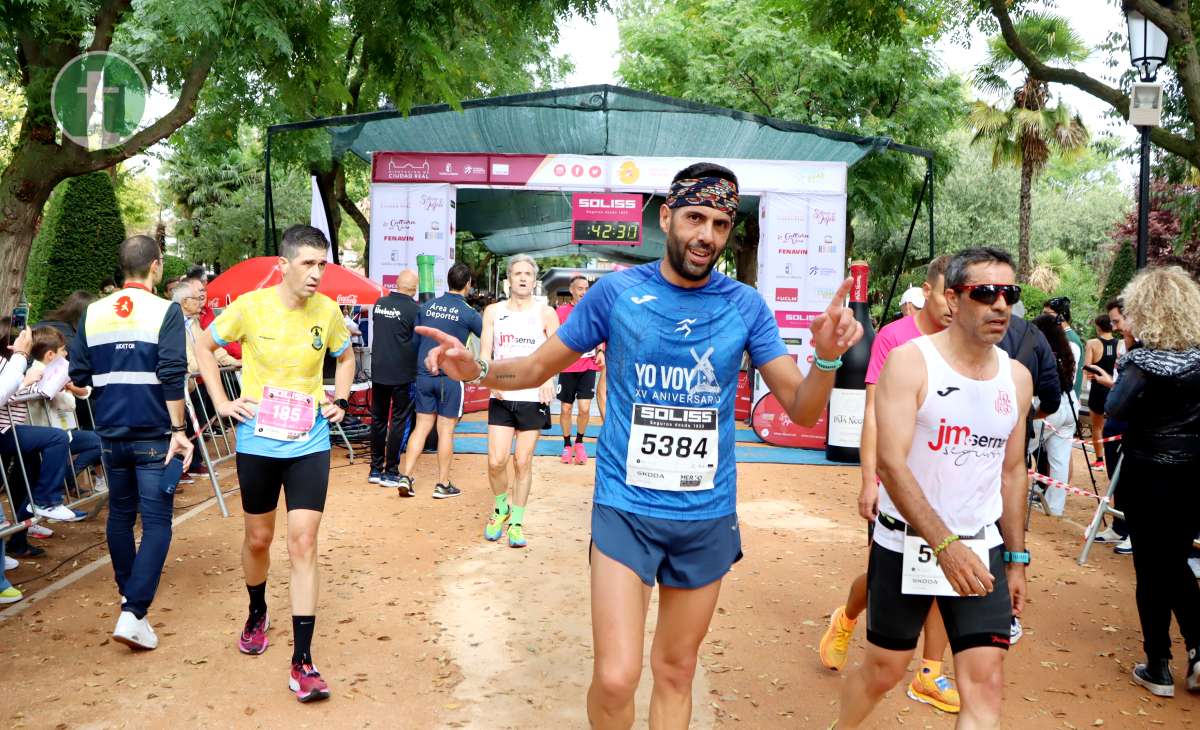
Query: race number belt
[[671, 448], [285, 415], [921, 573]]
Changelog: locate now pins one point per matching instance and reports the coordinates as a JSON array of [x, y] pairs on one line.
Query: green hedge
[[76, 247], [1123, 268], [173, 268]]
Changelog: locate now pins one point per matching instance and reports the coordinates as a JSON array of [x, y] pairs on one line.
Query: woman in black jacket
[[1157, 392]]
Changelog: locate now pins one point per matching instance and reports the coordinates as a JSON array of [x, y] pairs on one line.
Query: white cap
[[914, 296]]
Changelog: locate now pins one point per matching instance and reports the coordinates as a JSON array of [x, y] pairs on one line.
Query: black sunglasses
[[987, 293]]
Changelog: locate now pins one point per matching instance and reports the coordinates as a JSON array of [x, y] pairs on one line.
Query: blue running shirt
[[667, 447]]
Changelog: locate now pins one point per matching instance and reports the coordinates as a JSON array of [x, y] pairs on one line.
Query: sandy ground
[[423, 624]]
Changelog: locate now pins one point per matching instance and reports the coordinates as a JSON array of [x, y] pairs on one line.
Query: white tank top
[[957, 453], [517, 333]]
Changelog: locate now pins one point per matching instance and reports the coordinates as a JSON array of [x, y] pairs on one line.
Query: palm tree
[[1029, 131]]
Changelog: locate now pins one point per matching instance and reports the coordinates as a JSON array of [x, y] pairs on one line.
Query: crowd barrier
[[75, 496]]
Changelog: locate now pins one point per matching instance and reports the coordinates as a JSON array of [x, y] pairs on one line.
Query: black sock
[[579, 438], [302, 632], [566, 439], [258, 598]]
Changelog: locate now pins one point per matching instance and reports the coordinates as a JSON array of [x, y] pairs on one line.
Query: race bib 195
[[285, 415], [672, 448]]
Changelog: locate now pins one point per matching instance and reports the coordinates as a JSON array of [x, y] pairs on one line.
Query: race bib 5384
[[672, 448]]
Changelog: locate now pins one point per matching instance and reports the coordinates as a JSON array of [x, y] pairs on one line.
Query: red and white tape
[[1086, 442], [1063, 485]]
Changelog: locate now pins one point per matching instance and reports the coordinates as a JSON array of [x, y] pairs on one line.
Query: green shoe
[[495, 526], [10, 595], [516, 536]]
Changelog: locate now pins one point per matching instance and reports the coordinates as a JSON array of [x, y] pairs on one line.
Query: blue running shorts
[[438, 394], [678, 553]]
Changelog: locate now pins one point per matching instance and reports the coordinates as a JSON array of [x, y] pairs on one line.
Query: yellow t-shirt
[[281, 347]]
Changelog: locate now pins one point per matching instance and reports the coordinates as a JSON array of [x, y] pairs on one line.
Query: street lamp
[[1147, 51]]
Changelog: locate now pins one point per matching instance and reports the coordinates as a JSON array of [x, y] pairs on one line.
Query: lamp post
[[1147, 51]]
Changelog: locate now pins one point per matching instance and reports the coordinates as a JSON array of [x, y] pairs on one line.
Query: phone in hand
[[20, 318], [1095, 369], [171, 474]]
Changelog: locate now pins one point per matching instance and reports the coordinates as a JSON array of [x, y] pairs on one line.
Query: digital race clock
[[612, 218]]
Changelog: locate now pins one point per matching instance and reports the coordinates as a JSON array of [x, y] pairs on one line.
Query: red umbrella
[[339, 283]]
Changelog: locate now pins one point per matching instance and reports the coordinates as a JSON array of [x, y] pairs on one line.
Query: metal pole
[[929, 173], [1144, 201]]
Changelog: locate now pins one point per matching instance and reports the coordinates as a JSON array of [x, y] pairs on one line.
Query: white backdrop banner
[[407, 221]]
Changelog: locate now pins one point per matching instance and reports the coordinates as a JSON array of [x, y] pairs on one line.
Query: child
[[58, 411]]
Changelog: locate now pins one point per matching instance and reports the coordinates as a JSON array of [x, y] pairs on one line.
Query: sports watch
[[1016, 557], [342, 403]]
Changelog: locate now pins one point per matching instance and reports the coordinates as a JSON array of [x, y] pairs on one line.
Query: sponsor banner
[[754, 176], [800, 256], [426, 167], [408, 221], [551, 172], [773, 426], [794, 321]]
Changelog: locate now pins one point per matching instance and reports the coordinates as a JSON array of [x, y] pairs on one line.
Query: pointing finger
[[840, 295]]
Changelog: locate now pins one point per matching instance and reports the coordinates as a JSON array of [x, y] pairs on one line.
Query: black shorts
[[894, 619], [305, 481], [1097, 398], [576, 385], [518, 414]]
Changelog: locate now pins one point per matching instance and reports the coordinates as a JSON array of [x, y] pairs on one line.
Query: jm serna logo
[[98, 99]]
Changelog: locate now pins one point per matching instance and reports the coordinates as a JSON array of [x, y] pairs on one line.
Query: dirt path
[[425, 625]]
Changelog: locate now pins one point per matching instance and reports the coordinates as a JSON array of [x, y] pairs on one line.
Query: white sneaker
[[134, 632], [1125, 547], [1015, 632], [1109, 535], [11, 563], [99, 485], [40, 531], [1194, 564], [58, 513]]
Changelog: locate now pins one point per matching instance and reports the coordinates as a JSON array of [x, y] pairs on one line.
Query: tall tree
[[1029, 130]]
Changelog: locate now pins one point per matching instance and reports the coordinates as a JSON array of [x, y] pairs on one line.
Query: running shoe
[[254, 635], [393, 479], [1097, 465], [566, 454], [134, 632], [834, 648], [41, 532], [1015, 632], [443, 491], [1109, 535], [937, 691], [186, 478], [59, 513], [1156, 677], [10, 563], [516, 536], [306, 682], [581, 456], [10, 595], [404, 485], [374, 476], [1125, 547], [495, 526]]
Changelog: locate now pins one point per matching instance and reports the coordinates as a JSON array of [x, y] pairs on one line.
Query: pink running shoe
[[254, 636], [581, 456], [306, 682], [566, 455]]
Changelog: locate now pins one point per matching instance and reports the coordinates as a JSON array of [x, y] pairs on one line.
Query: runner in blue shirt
[[665, 500]]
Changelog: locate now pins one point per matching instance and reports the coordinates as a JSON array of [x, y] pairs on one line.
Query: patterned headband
[[715, 192]]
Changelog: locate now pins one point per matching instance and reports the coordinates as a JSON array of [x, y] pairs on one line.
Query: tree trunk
[[745, 256], [1024, 221], [333, 215], [346, 204], [25, 186]]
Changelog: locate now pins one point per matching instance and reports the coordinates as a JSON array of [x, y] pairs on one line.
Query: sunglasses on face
[[988, 293]]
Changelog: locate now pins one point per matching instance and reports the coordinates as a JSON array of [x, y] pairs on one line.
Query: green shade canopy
[[586, 120]]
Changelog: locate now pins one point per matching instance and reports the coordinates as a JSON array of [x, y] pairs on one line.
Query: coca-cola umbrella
[[339, 283]]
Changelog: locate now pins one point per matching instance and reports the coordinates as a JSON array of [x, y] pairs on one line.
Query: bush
[[173, 268], [76, 247], [1123, 269], [1034, 299]]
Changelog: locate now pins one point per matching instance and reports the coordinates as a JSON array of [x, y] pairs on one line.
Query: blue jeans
[[85, 451], [135, 485], [51, 445]]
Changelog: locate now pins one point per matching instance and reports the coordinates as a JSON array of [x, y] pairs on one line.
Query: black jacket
[[1158, 393], [1027, 345]]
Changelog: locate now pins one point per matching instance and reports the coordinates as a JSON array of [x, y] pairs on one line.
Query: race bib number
[[671, 448], [285, 415], [922, 576]]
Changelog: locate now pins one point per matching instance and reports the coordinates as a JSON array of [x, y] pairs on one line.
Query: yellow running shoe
[[934, 690], [495, 526], [835, 644]]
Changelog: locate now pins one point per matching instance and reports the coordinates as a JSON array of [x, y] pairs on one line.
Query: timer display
[[610, 218], [604, 232]]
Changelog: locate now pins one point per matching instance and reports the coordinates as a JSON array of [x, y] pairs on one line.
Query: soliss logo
[[601, 203]]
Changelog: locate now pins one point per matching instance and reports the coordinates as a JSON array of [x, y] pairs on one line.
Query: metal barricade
[[1103, 509], [16, 524], [215, 434]]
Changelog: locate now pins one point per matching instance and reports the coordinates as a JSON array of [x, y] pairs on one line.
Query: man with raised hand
[[952, 405], [929, 684], [513, 329], [665, 502], [283, 432], [577, 384]]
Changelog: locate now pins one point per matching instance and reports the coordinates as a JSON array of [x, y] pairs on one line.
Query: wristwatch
[[1016, 557], [342, 403]]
